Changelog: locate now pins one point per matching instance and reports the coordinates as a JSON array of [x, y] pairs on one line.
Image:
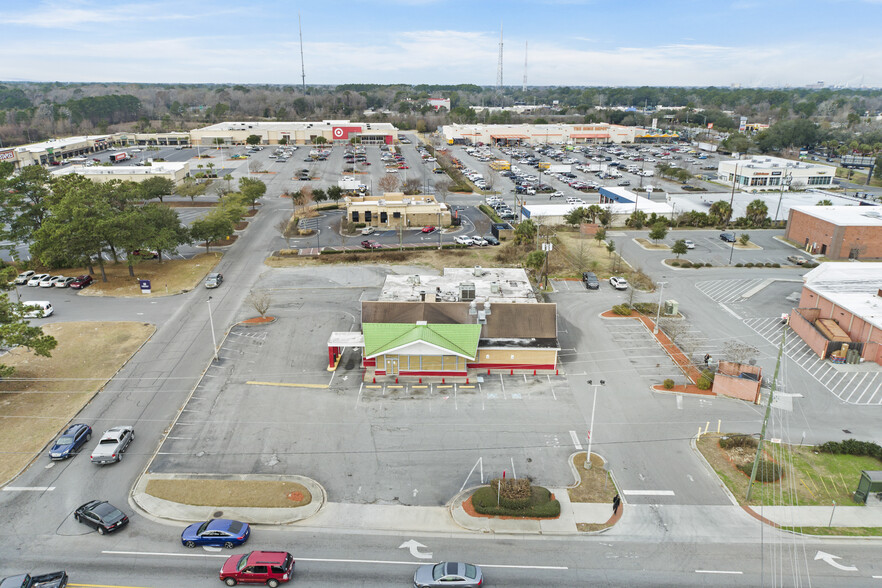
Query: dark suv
[[258, 567], [591, 281]]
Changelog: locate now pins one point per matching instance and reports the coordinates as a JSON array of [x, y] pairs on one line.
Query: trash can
[[870, 482], [672, 307]]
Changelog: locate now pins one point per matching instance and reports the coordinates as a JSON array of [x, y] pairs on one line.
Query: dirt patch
[[259, 320], [595, 485], [240, 226], [166, 278], [647, 244], [438, 259], [242, 493], [46, 392]]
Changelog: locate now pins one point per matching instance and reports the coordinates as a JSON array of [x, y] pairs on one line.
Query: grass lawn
[[595, 485], [838, 531], [815, 479], [46, 392], [647, 244], [166, 278], [244, 493]]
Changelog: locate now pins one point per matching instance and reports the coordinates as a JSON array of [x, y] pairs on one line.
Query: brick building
[[837, 232]]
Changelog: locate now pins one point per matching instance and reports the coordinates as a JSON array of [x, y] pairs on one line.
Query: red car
[[368, 244], [81, 282], [258, 567], [429, 229]]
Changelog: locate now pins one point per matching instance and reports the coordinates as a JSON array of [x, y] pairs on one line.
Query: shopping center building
[[297, 133], [554, 134], [761, 173]]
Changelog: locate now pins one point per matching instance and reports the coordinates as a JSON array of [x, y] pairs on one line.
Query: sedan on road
[[448, 573], [64, 282], [429, 229], [258, 567], [618, 283], [112, 445], [217, 533], [591, 281], [70, 442], [101, 516], [690, 244], [36, 279], [213, 280]]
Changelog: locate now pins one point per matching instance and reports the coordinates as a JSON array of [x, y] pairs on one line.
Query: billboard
[[742, 125], [342, 133], [7, 155]]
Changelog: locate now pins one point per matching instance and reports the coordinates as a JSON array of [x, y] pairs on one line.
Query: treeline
[[109, 109]]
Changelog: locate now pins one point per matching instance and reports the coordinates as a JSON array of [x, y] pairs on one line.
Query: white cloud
[[65, 16]]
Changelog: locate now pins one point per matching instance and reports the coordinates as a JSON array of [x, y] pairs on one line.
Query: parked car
[[81, 282], [36, 279], [623, 183], [796, 259], [491, 240], [369, 244], [23, 278], [145, 254], [448, 573], [50, 283], [618, 283], [258, 567], [591, 281], [52, 580], [480, 241], [728, 237], [463, 240], [216, 532], [71, 441], [101, 516], [64, 282], [690, 244], [214, 279], [368, 230], [37, 308], [429, 229], [112, 445]]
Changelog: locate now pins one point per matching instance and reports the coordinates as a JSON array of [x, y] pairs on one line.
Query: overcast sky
[[571, 42]]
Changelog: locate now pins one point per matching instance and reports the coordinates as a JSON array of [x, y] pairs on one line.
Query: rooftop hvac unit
[[466, 292], [494, 287], [416, 279], [482, 317], [422, 295], [478, 271]]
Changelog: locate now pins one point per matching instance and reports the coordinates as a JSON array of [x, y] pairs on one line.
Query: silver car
[[112, 445], [448, 573]]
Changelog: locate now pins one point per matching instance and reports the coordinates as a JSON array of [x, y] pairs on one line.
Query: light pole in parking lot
[[591, 426], [211, 324], [661, 288], [785, 182]]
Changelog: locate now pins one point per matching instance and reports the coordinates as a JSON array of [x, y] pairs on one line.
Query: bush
[[739, 265], [776, 265], [622, 309], [708, 264], [768, 471], [748, 264], [768, 264], [685, 264], [706, 380], [668, 384], [851, 447], [540, 503], [514, 493], [645, 307], [675, 263], [731, 441]]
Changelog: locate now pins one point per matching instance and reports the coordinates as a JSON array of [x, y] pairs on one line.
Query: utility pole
[[302, 67], [499, 68], [759, 445], [732, 211]]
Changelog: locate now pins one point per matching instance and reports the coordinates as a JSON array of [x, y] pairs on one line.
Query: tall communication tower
[[526, 46], [499, 67], [302, 67]]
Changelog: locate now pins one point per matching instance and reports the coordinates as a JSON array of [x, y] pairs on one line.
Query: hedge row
[[749, 264], [490, 212], [686, 264], [622, 309], [387, 250], [851, 447], [731, 441], [540, 504]]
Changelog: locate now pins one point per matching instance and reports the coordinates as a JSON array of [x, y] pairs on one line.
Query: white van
[[37, 308]]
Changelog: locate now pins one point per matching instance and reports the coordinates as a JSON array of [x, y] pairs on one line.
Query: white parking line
[[718, 572], [576, 440], [648, 492], [28, 488]]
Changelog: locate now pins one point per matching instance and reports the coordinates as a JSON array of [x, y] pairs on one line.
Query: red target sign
[[343, 132], [338, 133]]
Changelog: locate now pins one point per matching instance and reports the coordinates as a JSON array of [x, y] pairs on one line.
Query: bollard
[[375, 380], [442, 380], [396, 380], [534, 372], [511, 372], [556, 372], [488, 371], [467, 380], [421, 380]]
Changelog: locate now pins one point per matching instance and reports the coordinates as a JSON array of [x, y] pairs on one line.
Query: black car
[[727, 237], [591, 281], [102, 516], [491, 240]]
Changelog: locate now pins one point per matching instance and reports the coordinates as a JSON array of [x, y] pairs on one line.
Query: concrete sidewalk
[[821, 516]]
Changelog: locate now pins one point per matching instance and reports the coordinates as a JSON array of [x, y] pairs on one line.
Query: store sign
[[7, 155], [341, 133]]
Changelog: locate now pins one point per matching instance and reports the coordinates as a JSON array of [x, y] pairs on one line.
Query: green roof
[[457, 339]]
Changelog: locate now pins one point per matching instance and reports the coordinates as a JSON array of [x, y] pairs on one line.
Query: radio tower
[[302, 67], [499, 67], [526, 46]]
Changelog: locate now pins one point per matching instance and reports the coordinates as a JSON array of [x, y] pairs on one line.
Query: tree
[[285, 228], [335, 193], [877, 168], [736, 143], [636, 220], [824, 202], [228, 178], [252, 190], [215, 226], [301, 197], [535, 260], [525, 232], [23, 201], [610, 247], [593, 212], [575, 216], [412, 186], [744, 239], [658, 231], [17, 331], [600, 235], [156, 187], [605, 217], [720, 212], [319, 196], [757, 212], [162, 228], [260, 301], [255, 166], [442, 188], [679, 248], [319, 140], [388, 183], [253, 140]]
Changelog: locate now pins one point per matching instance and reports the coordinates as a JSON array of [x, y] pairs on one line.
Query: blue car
[[217, 533], [70, 441]]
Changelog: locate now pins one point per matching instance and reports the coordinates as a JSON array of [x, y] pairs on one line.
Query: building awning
[[449, 339], [346, 339]]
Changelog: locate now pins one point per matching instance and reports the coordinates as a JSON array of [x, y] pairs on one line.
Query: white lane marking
[[648, 492], [730, 311], [576, 440], [28, 488], [717, 572], [334, 560]]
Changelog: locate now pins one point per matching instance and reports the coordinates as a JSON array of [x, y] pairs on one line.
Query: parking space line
[[849, 385], [865, 389], [576, 440], [876, 391], [289, 385]]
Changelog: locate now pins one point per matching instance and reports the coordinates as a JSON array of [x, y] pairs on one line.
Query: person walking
[[707, 359], [616, 502]]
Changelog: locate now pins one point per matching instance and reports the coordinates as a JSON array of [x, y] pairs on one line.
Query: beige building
[[555, 134], [54, 151], [394, 209], [298, 133], [761, 174], [175, 171]]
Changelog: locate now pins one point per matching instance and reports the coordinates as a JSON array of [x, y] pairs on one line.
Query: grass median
[[231, 493]]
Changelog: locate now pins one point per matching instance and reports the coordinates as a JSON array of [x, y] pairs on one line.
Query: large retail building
[[298, 133], [761, 173], [837, 232], [555, 134]]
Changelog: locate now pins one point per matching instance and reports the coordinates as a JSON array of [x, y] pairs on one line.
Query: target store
[[295, 133]]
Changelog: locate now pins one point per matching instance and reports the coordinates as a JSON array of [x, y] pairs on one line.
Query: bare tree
[[286, 228], [389, 183], [254, 166], [260, 301], [491, 178], [739, 352], [412, 186], [442, 189], [301, 197]]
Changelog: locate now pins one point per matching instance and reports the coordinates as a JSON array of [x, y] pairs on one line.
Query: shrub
[[622, 309], [739, 265], [768, 264], [540, 503], [675, 263], [685, 264], [851, 447], [706, 380], [668, 384], [768, 471], [708, 264], [748, 264], [645, 307], [513, 493], [731, 441], [776, 265]]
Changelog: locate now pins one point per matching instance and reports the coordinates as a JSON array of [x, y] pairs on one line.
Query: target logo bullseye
[[338, 133]]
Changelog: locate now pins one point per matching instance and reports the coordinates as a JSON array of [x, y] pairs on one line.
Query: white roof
[[60, 143], [159, 167], [768, 162], [493, 284], [853, 286], [845, 216], [295, 125]]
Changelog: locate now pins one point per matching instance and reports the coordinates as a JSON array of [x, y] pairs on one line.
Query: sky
[[771, 43]]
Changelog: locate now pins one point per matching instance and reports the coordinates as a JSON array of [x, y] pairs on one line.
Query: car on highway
[[618, 283], [71, 441], [64, 282], [81, 282], [370, 244], [101, 516], [727, 237], [591, 281], [216, 533], [36, 279], [796, 259], [556, 194], [112, 445], [429, 229], [690, 244], [463, 240], [448, 573], [214, 279], [258, 567], [623, 183], [23, 278]]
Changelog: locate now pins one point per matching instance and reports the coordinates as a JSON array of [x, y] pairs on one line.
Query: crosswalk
[[852, 387], [728, 291]]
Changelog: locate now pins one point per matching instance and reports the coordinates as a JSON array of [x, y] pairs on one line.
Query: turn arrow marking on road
[[831, 559], [414, 547]]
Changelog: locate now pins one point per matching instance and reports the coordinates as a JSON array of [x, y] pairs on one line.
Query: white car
[[37, 278], [23, 278], [37, 308], [618, 283], [51, 281], [64, 282], [479, 241], [463, 240], [689, 244], [368, 230]]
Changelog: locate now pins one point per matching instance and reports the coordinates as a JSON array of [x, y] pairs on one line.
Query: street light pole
[[658, 310], [785, 181], [591, 426], [211, 324], [732, 211]]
